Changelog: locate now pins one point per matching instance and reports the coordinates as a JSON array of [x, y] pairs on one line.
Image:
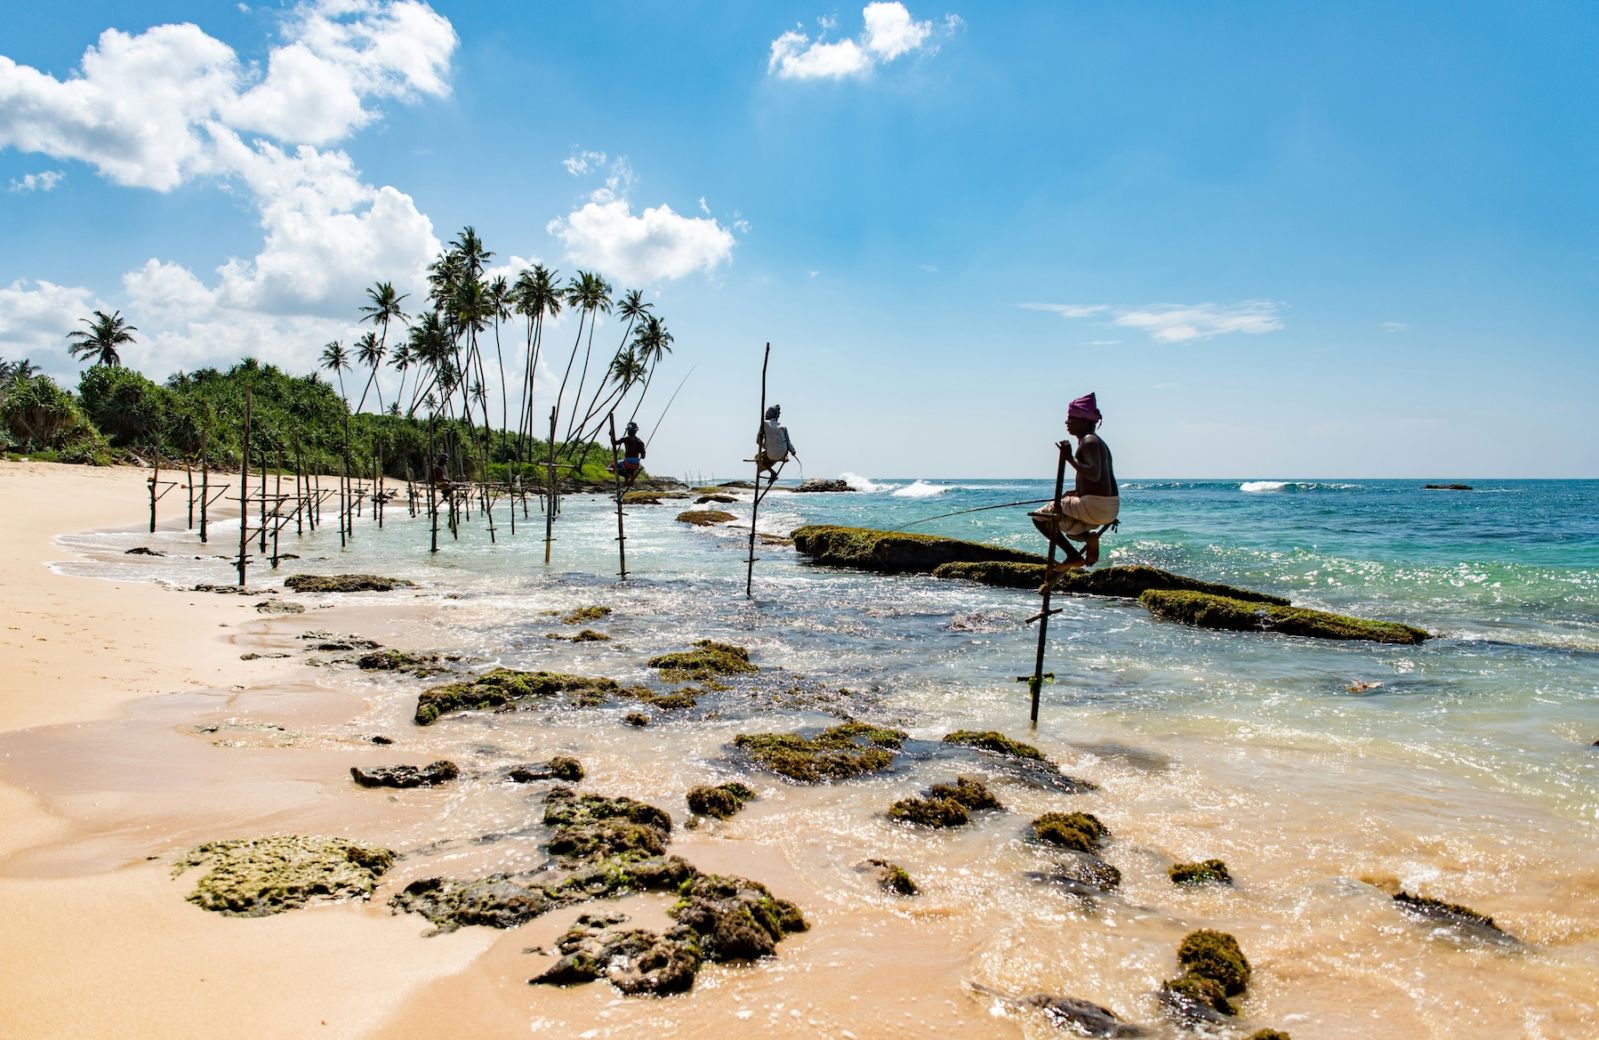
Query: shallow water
[[1464, 769]]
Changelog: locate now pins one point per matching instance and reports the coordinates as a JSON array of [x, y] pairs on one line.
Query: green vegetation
[[1208, 611], [946, 805], [892, 878], [582, 614], [1437, 909], [504, 686], [705, 517], [998, 743], [1125, 582], [837, 753], [345, 583], [1081, 832], [255, 877], [434, 773], [895, 552], [708, 659], [1205, 872], [720, 801], [1216, 956]]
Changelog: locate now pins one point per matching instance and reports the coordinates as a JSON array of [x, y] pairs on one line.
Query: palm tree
[[498, 297], [401, 361], [384, 308], [369, 352], [632, 307], [589, 293], [537, 295], [430, 348], [654, 343], [106, 333], [335, 360], [17, 371]]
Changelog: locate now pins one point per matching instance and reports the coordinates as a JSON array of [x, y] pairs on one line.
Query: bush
[[41, 415], [128, 408]]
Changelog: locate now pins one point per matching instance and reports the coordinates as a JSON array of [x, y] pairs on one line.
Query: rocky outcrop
[[946, 805], [816, 484], [255, 877], [705, 517], [1085, 1018], [561, 767], [707, 660], [892, 878], [895, 552], [837, 753], [1213, 969], [718, 498], [345, 583], [507, 686], [438, 772], [1204, 872], [1461, 918], [721, 801], [1220, 612], [1078, 831], [1123, 582], [1446, 487]]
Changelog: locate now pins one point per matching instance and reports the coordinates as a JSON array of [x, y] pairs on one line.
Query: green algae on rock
[[734, 918], [345, 583], [708, 658], [256, 877], [634, 960], [836, 753], [946, 805], [1204, 872], [1079, 831], [1207, 611], [1268, 1034], [895, 552], [1216, 956], [720, 801], [998, 743], [561, 767], [892, 878], [717, 498], [582, 614], [1196, 998], [504, 686], [705, 517], [434, 773], [400, 661], [636, 718], [588, 635], [1087, 872], [1127, 581], [1448, 913]]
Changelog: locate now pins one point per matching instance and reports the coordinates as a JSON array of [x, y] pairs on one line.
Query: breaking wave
[[920, 489], [860, 483], [1265, 486]]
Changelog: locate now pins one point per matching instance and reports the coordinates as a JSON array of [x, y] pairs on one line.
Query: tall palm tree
[[400, 361], [335, 360], [383, 309], [469, 313], [430, 346], [590, 294], [498, 297], [537, 295], [106, 333], [632, 307], [654, 343], [369, 352]]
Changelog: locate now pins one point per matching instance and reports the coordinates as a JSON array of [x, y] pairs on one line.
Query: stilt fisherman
[[1093, 502]]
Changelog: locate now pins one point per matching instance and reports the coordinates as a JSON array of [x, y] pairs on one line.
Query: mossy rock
[[1268, 1034], [717, 498], [1221, 612], [1079, 1017], [1123, 582], [564, 807], [670, 700], [398, 661], [582, 614], [705, 517], [1087, 872], [1216, 956], [930, 812], [561, 767], [1204, 872], [837, 753], [256, 877], [430, 775], [734, 918], [892, 878], [1196, 998], [708, 658], [636, 718], [643, 498], [998, 743], [720, 801], [1449, 913], [345, 583], [273, 606], [634, 960], [968, 791], [505, 686], [1078, 831], [895, 552]]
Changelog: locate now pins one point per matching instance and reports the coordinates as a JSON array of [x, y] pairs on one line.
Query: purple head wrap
[[1085, 407]]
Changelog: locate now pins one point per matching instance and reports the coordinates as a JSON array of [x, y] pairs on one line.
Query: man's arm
[[1090, 460]]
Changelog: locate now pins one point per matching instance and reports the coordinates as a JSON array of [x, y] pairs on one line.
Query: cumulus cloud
[[35, 318], [657, 244], [171, 105], [1179, 323], [45, 180], [889, 33]]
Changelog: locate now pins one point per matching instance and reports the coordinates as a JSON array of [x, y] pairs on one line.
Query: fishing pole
[[669, 401], [977, 509]]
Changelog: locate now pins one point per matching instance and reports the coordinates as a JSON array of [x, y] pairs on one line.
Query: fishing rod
[[669, 401], [977, 509]]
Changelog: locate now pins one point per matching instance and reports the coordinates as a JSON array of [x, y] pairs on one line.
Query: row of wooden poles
[[276, 496]]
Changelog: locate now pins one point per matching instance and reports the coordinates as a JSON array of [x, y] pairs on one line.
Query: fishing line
[[977, 509], [669, 401]]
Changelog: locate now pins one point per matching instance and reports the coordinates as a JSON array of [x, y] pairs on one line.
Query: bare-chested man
[[1094, 501]]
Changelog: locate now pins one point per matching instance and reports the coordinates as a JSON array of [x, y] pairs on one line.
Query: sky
[[1277, 239]]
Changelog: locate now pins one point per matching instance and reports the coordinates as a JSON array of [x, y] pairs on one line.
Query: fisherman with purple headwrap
[[1094, 501]]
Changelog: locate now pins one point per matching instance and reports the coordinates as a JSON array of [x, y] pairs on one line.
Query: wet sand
[[132, 731]]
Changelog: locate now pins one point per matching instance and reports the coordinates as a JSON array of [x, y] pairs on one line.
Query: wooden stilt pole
[[205, 488], [244, 493], [155, 475], [433, 503], [188, 473], [616, 467], [1035, 682], [755, 504], [549, 494], [263, 501]]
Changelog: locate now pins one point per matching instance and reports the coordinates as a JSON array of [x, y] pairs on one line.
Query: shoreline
[[127, 778]]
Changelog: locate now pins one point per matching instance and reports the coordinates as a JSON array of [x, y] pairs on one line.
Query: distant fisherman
[[632, 446], [1094, 502], [772, 443]]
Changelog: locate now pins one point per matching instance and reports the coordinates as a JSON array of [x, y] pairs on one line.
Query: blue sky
[[1277, 239]]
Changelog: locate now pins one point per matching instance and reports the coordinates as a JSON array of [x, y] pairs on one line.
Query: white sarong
[[1076, 515]]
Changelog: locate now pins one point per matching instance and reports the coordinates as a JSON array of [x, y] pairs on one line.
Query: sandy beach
[[138, 721]]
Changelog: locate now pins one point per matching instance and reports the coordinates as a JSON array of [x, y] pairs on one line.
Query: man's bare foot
[[1091, 550]]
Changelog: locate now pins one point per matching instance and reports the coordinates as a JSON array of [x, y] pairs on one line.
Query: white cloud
[[704, 206], [1180, 323], [1396, 326], [45, 180], [35, 320], [890, 33], [579, 163]]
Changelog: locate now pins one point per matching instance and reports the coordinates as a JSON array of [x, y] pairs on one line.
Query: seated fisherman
[[772, 443], [632, 446], [1094, 501]]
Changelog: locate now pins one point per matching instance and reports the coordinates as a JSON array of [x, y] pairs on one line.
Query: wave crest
[[920, 489]]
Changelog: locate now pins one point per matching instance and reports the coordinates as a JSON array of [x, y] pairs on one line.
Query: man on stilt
[[772, 445], [632, 446], [1093, 503]]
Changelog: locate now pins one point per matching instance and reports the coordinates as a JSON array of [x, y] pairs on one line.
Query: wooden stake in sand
[[616, 468], [1035, 682], [549, 494], [244, 492], [755, 504]]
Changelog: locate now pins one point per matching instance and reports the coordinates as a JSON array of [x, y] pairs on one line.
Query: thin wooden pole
[[263, 500], [549, 494], [433, 505], [1035, 682], [616, 468], [205, 488], [155, 475], [755, 504], [344, 483], [244, 493], [188, 472]]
